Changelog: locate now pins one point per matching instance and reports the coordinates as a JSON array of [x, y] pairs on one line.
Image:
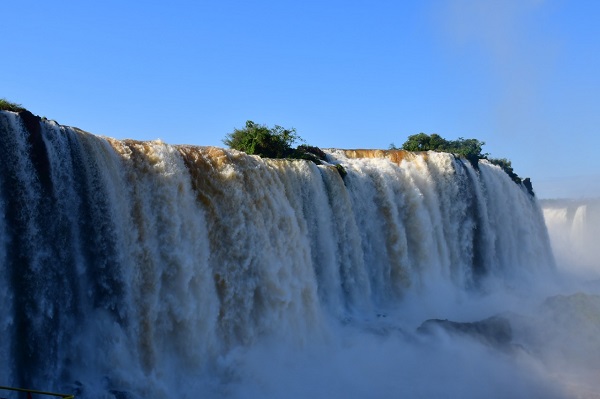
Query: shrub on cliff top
[[276, 142], [506, 165], [471, 149], [6, 105], [260, 140]]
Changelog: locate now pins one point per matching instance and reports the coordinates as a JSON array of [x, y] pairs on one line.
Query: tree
[[260, 140], [471, 149], [466, 148], [506, 165], [418, 142], [277, 142], [6, 105]]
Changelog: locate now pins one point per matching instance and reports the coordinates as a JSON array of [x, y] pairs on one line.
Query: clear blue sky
[[521, 75]]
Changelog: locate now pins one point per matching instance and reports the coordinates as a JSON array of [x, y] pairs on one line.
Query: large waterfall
[[146, 270]]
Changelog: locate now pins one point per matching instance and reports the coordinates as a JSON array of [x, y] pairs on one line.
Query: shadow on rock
[[495, 331]]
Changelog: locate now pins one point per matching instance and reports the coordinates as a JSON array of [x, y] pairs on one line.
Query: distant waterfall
[[574, 228], [122, 261]]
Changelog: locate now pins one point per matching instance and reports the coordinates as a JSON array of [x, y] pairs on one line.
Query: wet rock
[[39, 154], [495, 331], [528, 186]]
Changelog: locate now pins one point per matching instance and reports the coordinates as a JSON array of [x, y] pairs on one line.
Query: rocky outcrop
[[527, 183], [495, 331], [39, 154], [395, 156]]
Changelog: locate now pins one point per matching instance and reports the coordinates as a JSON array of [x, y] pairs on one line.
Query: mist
[[554, 323], [574, 226], [200, 272], [551, 353]]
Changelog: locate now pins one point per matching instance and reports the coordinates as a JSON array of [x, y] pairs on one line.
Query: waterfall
[[574, 226], [141, 268]]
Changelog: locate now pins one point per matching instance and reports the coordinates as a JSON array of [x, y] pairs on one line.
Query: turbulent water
[[146, 270]]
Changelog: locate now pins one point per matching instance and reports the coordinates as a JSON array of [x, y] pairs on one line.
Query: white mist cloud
[[384, 357], [574, 228], [517, 56], [498, 31], [368, 365]]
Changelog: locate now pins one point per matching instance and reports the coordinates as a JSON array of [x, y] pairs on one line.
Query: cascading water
[[142, 269], [574, 228]]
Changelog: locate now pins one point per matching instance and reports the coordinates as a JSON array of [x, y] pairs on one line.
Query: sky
[[521, 75]]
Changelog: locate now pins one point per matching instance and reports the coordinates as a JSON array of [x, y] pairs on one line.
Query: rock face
[[495, 331], [316, 151], [39, 154], [528, 186], [563, 331]]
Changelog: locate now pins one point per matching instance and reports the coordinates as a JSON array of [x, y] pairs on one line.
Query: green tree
[[418, 142], [275, 143], [506, 165], [260, 140], [6, 105], [471, 149], [466, 148]]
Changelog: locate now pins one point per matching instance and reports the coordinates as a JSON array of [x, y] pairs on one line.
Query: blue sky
[[521, 75]]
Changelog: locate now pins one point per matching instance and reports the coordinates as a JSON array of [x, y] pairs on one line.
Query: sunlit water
[[145, 270]]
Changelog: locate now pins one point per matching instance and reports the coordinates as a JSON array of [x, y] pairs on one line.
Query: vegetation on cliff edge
[[470, 149], [275, 142], [6, 105]]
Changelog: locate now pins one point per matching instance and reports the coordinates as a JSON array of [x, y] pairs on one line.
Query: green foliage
[[341, 170], [275, 143], [466, 148], [260, 140], [506, 165], [6, 105], [272, 143], [471, 149], [309, 153], [502, 162]]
